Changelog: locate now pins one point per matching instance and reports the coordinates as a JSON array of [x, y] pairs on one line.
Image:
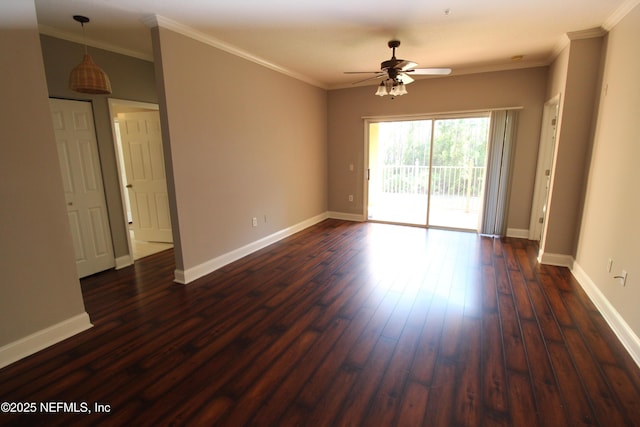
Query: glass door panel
[[458, 169], [399, 171]]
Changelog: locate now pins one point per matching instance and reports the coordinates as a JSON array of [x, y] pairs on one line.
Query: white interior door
[[146, 180], [83, 187]]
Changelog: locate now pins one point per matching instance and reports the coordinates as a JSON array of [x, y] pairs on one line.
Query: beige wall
[[131, 79], [520, 88], [243, 142], [40, 287], [610, 225], [574, 75]]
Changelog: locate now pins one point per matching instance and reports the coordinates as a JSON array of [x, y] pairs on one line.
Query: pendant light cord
[[84, 38]]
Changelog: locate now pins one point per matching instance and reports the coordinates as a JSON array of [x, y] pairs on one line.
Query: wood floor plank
[[589, 330], [515, 354], [356, 404], [317, 385], [493, 365], [522, 403], [468, 406], [439, 410], [386, 401], [275, 405], [414, 405], [423, 367], [343, 323], [602, 398], [578, 408], [551, 410], [521, 295], [556, 301], [544, 314]]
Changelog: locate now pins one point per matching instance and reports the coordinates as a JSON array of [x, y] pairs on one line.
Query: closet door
[[83, 186]]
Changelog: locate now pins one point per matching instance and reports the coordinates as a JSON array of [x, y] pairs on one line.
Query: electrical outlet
[[351, 197], [255, 221]]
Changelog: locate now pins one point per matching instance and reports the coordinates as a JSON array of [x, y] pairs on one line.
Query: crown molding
[[567, 38], [560, 45], [53, 32], [587, 34], [162, 22], [619, 14]]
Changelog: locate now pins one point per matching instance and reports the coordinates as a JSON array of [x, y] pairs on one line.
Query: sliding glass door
[[428, 172], [458, 169]]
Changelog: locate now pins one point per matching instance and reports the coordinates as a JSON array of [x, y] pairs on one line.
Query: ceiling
[[317, 40]]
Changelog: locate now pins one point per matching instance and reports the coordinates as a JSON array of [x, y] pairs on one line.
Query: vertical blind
[[502, 141]]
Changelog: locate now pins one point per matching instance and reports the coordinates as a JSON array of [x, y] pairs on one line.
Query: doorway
[[428, 172], [140, 160]]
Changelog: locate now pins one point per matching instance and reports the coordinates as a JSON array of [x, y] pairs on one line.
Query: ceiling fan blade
[[430, 71], [405, 78], [379, 75], [404, 65], [362, 72]]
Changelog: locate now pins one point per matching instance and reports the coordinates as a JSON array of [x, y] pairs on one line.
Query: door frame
[[117, 106], [367, 120], [546, 158]]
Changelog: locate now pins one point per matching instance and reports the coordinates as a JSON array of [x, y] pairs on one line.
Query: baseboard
[[559, 260], [44, 338], [124, 261], [623, 331], [187, 276], [519, 233], [346, 216]]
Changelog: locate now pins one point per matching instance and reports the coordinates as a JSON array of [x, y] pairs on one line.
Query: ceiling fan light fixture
[[382, 90], [391, 87], [87, 77]]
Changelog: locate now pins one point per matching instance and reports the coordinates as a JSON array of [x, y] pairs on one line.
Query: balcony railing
[[460, 186]]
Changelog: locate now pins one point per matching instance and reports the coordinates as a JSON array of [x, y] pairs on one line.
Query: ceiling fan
[[396, 73]]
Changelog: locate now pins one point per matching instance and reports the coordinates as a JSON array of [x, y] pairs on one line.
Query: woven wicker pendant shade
[[87, 77]]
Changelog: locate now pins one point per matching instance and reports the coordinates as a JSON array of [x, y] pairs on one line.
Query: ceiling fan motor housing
[[392, 72], [393, 44]]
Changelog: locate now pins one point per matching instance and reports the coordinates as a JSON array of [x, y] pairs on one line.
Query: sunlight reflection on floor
[[398, 263]]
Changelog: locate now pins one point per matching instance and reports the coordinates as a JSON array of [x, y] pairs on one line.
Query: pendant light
[[87, 77]]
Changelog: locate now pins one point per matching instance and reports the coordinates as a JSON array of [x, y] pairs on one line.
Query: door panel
[[82, 183], [399, 154], [146, 178], [457, 172]]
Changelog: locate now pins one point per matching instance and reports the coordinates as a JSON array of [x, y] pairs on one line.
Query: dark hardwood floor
[[354, 324]]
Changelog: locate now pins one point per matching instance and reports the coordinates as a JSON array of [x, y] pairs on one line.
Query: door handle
[[129, 186]]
